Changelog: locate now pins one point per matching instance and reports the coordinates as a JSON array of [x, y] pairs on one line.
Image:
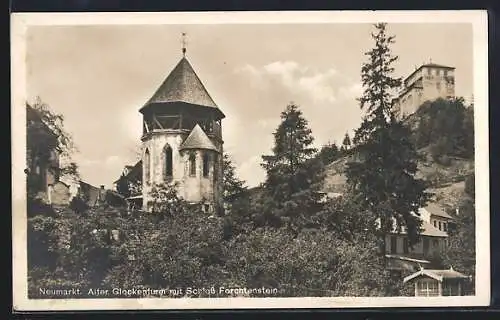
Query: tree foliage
[[453, 125], [329, 153], [46, 133], [55, 122], [179, 246], [383, 178], [293, 174], [123, 186], [233, 187], [460, 252]]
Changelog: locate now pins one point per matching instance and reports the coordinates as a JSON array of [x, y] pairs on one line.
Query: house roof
[[398, 257], [197, 139], [436, 210], [438, 275], [135, 171], [431, 231], [93, 193], [183, 85], [427, 230]]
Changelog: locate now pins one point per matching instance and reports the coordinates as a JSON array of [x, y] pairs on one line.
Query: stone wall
[[191, 188]]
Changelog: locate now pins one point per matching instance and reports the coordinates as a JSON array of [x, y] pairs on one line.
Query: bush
[[180, 246], [115, 200], [78, 205], [36, 206]]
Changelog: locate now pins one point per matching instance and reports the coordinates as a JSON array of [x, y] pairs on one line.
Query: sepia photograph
[[247, 160]]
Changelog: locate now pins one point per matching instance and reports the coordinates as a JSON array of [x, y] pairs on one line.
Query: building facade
[[42, 156], [428, 82], [433, 238], [433, 283], [182, 140]]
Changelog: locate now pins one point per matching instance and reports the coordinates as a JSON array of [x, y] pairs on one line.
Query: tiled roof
[[92, 193], [183, 85], [197, 139], [439, 275], [134, 173], [436, 210]]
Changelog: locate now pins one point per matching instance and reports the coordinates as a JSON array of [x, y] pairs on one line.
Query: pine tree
[[293, 174], [346, 143], [383, 178]]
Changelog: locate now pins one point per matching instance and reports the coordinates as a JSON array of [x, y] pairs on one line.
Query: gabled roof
[[436, 210], [438, 275], [431, 231], [135, 171], [91, 192], [197, 139], [183, 85]]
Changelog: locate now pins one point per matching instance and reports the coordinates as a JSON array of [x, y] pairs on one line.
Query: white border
[[19, 24]]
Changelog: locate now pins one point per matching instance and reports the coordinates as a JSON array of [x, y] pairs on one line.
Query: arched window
[[168, 160], [206, 162], [192, 164], [147, 166]]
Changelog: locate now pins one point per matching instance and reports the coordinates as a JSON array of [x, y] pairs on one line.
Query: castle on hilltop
[[428, 82]]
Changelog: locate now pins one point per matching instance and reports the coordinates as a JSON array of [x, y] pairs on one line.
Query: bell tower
[[182, 139]]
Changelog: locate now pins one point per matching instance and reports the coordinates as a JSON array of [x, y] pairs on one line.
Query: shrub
[[78, 205]]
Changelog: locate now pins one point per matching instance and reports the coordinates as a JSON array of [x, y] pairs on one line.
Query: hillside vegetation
[[444, 134]]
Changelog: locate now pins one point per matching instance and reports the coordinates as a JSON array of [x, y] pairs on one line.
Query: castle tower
[[428, 82], [182, 139]]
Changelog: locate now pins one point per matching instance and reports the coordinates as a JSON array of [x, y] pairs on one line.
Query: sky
[[98, 77]]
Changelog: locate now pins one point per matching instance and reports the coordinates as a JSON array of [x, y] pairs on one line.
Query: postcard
[[250, 160]]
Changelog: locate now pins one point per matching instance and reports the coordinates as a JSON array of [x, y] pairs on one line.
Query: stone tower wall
[[191, 188]]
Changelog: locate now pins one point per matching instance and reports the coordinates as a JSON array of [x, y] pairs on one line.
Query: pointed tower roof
[[197, 139], [183, 85]]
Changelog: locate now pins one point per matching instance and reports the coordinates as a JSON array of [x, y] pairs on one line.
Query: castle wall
[[426, 85], [438, 85]]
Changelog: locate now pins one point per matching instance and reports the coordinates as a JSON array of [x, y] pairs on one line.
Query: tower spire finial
[[184, 43]]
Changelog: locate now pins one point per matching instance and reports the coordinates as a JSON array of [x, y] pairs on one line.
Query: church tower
[[182, 139]]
